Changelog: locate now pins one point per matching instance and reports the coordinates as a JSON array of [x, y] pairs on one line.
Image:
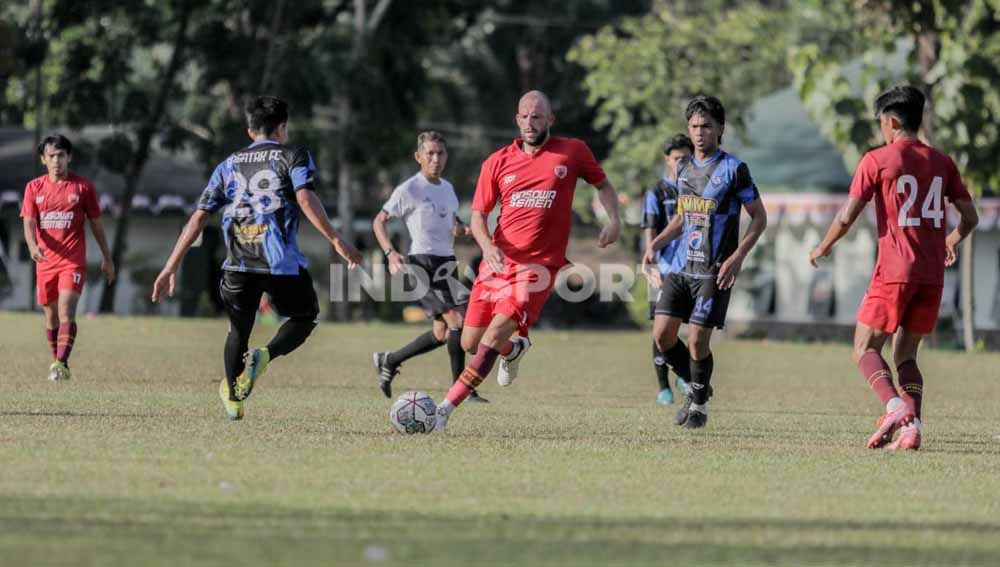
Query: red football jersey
[[536, 197], [59, 208], [909, 181]]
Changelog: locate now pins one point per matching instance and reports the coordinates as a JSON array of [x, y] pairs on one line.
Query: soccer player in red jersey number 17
[[533, 179], [909, 181], [53, 211]]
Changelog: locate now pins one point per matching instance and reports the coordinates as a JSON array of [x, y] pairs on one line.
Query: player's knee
[[699, 345], [860, 351], [470, 344]]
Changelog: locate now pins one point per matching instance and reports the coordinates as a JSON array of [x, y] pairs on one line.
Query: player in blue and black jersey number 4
[[714, 187], [261, 191], [659, 206]]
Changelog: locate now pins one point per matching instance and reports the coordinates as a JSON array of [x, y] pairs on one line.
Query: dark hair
[[704, 104], [430, 136], [265, 114], [906, 102], [57, 141], [678, 142]]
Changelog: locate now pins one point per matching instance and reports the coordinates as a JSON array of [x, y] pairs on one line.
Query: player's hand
[[165, 282], [609, 234], [653, 276], [950, 254], [494, 258], [649, 257], [816, 254], [108, 268], [728, 272], [348, 252], [397, 264], [461, 230], [37, 255]]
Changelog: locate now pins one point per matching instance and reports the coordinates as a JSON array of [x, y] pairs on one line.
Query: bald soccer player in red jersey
[[909, 182], [533, 180]]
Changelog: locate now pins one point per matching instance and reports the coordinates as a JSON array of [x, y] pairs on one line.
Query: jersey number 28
[[932, 207]]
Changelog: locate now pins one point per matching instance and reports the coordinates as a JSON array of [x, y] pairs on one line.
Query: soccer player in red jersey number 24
[[909, 182]]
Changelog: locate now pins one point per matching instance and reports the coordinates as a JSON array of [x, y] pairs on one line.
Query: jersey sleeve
[[487, 189], [28, 208], [590, 170], [91, 207], [865, 182], [650, 210], [302, 170], [956, 189], [397, 206], [213, 197], [746, 189]]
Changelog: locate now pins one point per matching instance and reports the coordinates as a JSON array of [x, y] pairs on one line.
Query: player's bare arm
[[969, 218], [838, 228], [609, 200], [382, 235], [670, 232], [312, 207], [166, 281], [734, 263], [492, 254], [30, 225], [100, 235]]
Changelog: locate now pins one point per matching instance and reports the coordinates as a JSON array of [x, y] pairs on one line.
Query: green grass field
[[133, 463]]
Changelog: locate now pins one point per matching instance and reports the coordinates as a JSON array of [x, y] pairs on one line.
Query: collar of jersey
[[259, 142], [519, 146], [715, 156], [428, 181]]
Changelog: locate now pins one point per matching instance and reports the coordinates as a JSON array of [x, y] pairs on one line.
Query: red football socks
[[53, 336], [878, 375], [478, 369], [64, 344], [911, 382]]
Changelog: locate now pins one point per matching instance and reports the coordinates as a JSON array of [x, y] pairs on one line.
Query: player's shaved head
[[534, 118], [536, 100]]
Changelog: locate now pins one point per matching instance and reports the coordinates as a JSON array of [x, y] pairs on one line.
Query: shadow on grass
[[211, 533]]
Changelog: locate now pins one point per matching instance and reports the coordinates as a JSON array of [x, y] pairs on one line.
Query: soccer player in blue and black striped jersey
[[659, 206], [714, 187], [261, 190]]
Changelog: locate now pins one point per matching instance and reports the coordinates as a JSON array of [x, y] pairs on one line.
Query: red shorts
[[912, 306], [519, 293], [53, 280]]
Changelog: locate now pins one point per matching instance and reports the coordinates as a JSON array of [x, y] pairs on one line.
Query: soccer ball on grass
[[413, 412]]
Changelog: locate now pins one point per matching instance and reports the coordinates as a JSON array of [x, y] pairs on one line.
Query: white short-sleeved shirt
[[429, 212]]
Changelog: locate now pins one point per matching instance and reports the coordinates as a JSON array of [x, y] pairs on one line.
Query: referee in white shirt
[[428, 205]]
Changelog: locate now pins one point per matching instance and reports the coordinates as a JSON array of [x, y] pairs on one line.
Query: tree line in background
[[364, 76]]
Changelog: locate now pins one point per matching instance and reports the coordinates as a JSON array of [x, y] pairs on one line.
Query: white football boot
[[444, 410], [509, 364]]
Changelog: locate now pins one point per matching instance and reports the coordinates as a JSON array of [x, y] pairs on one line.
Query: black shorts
[[695, 300], [291, 296], [444, 290]]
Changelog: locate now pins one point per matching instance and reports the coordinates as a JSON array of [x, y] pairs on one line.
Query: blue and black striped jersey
[[255, 188]]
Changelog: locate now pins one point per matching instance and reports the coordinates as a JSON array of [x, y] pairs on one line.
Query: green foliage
[[642, 71], [949, 48]]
